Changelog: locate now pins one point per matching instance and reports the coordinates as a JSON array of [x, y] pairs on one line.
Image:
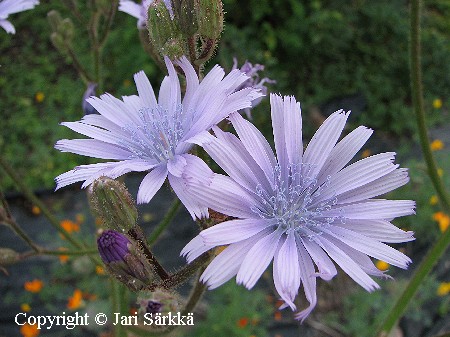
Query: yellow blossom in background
[[366, 153], [34, 286], [70, 226], [99, 270], [381, 265], [437, 103], [442, 219], [443, 289], [39, 97], [440, 172], [35, 210], [25, 307], [434, 200], [28, 330], [126, 83], [75, 300], [437, 145], [79, 218], [63, 258]]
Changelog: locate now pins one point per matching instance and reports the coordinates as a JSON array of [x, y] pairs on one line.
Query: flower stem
[[441, 245], [164, 222], [19, 231]]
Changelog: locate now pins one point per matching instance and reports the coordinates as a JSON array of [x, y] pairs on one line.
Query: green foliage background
[[318, 51]]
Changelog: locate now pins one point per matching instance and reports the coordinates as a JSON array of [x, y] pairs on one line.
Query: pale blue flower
[[142, 133], [301, 208], [8, 7]]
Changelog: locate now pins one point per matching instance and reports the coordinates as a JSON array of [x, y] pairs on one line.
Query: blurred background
[[329, 54]]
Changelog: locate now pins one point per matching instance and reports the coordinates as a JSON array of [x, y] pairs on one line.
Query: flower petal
[[373, 209], [257, 259], [232, 231], [93, 148], [144, 88], [151, 183]]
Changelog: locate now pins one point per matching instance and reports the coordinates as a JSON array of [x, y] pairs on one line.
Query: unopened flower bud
[[110, 200], [160, 301], [66, 29], [8, 256], [58, 42], [164, 32], [209, 18], [54, 18], [124, 260]]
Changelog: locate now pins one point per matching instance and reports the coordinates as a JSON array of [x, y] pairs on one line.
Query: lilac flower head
[[140, 11], [8, 7], [254, 81], [112, 246], [142, 133], [301, 209]]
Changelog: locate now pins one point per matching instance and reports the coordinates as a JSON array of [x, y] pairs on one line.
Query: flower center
[[293, 201], [157, 134]]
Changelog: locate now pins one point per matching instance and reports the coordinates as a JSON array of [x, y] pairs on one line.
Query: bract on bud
[[124, 260], [209, 18], [8, 256], [58, 42], [160, 301], [110, 200], [187, 17], [164, 32]]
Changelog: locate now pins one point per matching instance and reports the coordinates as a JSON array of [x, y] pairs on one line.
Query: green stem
[[196, 294], [117, 305], [19, 231], [441, 245], [68, 252], [164, 222]]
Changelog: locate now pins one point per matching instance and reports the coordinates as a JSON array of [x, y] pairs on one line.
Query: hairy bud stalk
[[110, 200]]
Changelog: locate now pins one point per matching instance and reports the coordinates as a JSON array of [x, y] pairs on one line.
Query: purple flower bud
[[153, 307], [87, 107], [112, 246], [254, 81]]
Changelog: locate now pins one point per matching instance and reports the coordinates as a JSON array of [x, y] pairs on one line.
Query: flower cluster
[[300, 208]]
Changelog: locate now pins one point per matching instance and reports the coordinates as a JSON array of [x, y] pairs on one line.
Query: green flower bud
[[58, 42], [187, 17], [8, 256], [209, 18], [54, 18], [164, 32], [66, 28], [110, 200]]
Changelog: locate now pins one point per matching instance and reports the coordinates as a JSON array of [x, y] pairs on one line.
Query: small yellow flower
[[437, 145], [443, 289], [381, 265], [34, 286], [28, 330], [437, 103], [39, 97], [442, 219], [440, 172], [35, 210], [126, 83], [25, 307], [434, 200], [366, 153], [75, 300], [99, 270]]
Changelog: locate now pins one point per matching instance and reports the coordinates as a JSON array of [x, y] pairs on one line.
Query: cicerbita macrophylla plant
[[141, 133], [298, 208], [8, 7], [254, 81], [124, 260]]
